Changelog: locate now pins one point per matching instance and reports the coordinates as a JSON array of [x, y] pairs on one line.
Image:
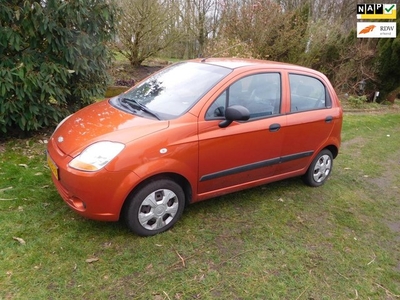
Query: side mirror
[[235, 113]]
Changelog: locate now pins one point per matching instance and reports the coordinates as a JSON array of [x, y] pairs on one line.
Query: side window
[[307, 93], [259, 93], [217, 109]]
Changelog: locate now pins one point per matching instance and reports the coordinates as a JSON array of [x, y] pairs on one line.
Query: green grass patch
[[279, 241]]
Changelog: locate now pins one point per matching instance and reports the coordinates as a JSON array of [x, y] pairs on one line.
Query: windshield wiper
[[136, 105]]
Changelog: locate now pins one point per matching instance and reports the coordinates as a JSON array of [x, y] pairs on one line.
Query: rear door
[[244, 153], [310, 121]]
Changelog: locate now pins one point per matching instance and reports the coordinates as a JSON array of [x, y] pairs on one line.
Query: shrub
[[388, 66], [357, 101], [53, 59]]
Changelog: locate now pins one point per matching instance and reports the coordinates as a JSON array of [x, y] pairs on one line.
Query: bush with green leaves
[[357, 101], [53, 59], [388, 64]]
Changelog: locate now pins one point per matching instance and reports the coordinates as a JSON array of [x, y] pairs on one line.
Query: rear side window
[[307, 93]]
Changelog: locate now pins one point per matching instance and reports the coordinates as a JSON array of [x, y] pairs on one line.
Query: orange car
[[193, 131]]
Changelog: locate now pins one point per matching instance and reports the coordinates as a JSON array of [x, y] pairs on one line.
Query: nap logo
[[376, 29], [376, 11]]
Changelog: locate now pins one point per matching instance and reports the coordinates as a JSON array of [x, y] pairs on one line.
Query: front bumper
[[95, 195]]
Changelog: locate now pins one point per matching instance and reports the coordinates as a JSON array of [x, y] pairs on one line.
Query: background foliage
[[315, 33], [144, 29], [54, 53], [53, 59], [388, 63], [279, 37]]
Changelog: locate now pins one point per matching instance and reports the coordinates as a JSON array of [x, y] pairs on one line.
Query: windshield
[[176, 89]]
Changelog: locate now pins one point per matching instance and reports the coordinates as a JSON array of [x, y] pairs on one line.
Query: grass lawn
[[279, 241]]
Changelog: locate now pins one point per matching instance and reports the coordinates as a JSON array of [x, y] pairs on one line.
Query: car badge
[[60, 139]]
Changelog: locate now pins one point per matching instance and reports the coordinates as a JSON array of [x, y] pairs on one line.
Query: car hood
[[102, 122]]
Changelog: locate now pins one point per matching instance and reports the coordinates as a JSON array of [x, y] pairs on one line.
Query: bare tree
[[267, 29], [200, 20], [145, 27], [332, 11]]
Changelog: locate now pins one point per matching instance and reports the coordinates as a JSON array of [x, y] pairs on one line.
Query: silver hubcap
[[158, 209], [322, 168]]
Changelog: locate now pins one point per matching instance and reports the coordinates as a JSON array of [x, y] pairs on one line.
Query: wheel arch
[[179, 179], [333, 149]]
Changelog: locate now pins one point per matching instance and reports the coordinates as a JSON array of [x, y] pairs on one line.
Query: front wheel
[[319, 169], [155, 207]]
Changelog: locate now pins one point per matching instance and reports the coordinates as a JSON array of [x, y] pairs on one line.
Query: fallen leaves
[[6, 189], [21, 241], [92, 260]]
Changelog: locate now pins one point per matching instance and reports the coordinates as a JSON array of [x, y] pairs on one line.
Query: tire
[[319, 169], [155, 207]]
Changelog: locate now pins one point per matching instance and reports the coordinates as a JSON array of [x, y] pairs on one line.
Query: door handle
[[328, 119], [274, 127]]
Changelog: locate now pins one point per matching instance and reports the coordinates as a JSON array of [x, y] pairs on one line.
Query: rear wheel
[[320, 169], [155, 207]]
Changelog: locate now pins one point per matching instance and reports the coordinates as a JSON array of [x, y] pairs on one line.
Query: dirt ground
[[124, 74]]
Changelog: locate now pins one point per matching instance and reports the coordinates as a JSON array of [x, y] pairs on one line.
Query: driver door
[[246, 152]]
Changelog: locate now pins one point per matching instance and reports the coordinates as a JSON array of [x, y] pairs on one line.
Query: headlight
[[96, 156]]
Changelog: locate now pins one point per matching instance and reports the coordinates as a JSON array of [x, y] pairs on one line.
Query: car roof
[[236, 63]]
